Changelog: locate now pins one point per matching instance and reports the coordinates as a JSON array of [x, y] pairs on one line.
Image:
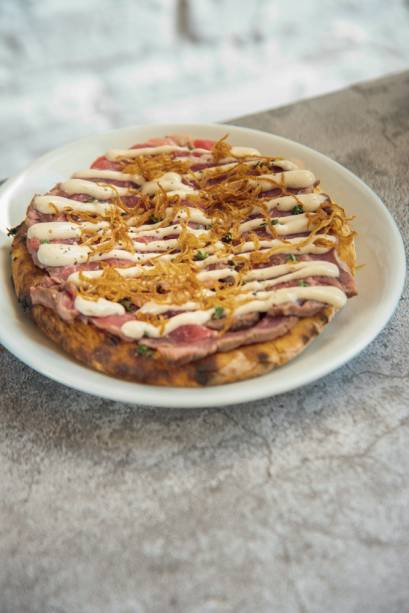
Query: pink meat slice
[[113, 323], [306, 309], [203, 143], [182, 352], [102, 163], [59, 274], [34, 216], [55, 299]]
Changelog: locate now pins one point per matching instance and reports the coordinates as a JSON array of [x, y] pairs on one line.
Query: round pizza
[[184, 262]]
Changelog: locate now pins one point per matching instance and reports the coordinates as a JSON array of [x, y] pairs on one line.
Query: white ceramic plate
[[380, 282]]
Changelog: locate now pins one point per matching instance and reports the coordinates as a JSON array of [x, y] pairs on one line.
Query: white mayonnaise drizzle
[[328, 294], [190, 214], [309, 202], [137, 329], [303, 269], [170, 182], [283, 272], [61, 230], [116, 175], [296, 179], [228, 165], [262, 303], [171, 243], [98, 308], [157, 309], [113, 154], [166, 231], [285, 164], [54, 254], [218, 273], [122, 254], [289, 245], [103, 192], [51, 204], [311, 269], [285, 225], [291, 224]]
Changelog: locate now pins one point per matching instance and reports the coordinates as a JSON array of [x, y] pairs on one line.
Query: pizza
[[184, 262]]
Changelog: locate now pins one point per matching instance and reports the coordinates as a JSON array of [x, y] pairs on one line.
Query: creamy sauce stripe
[[172, 183], [57, 254], [50, 204], [305, 269], [327, 294]]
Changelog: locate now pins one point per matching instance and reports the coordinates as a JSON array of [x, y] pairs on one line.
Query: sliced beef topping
[[306, 309], [179, 352], [112, 323], [55, 299]]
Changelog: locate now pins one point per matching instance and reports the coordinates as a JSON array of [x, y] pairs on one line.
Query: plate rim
[[190, 397]]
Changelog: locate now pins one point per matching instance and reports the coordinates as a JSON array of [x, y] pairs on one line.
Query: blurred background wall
[[72, 67]]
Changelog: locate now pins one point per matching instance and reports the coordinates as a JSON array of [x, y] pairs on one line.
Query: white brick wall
[[71, 67]]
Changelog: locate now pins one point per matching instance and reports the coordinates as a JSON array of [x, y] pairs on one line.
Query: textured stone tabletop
[[298, 503]]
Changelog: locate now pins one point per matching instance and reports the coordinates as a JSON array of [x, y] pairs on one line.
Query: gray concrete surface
[[297, 503]]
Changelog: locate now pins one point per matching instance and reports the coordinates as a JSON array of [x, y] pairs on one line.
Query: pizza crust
[[113, 356]]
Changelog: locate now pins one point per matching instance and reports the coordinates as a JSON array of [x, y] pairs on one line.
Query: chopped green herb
[[297, 209], [263, 225], [154, 219], [291, 257], [218, 313], [303, 283], [200, 255], [227, 238], [44, 242], [127, 304], [143, 350], [274, 222]]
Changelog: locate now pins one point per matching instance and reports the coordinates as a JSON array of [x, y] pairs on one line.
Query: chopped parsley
[[127, 304], [218, 313], [154, 219], [200, 255], [144, 351], [44, 242], [274, 222], [297, 209], [291, 257], [303, 283], [227, 238]]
